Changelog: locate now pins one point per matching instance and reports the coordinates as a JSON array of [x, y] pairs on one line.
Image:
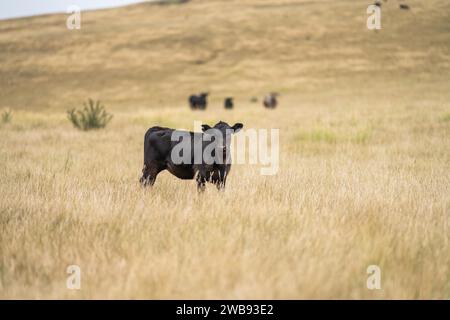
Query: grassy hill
[[151, 55]]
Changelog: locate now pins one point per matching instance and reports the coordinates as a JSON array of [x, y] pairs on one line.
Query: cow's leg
[[220, 184], [222, 181], [146, 179], [219, 179], [149, 174], [201, 182]]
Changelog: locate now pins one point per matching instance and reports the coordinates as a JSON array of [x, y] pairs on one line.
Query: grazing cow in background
[[229, 104], [159, 154], [199, 102], [404, 6], [270, 101]]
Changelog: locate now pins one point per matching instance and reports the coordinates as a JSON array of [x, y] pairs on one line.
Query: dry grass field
[[364, 177]]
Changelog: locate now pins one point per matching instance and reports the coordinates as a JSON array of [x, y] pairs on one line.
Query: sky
[[23, 8]]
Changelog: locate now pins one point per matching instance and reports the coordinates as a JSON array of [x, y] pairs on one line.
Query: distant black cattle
[[404, 6], [228, 103], [270, 101], [199, 102], [159, 154]]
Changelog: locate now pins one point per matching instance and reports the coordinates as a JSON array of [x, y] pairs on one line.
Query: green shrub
[[93, 116], [6, 116]]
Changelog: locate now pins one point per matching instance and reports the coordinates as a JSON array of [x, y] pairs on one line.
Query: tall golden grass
[[335, 207], [364, 173]]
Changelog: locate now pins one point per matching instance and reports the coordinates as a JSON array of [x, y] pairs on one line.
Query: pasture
[[364, 176]]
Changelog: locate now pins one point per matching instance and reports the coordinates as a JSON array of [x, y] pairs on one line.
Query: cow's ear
[[205, 127], [237, 127]]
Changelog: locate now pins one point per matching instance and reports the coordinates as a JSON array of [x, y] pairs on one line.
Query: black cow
[[404, 6], [199, 102], [159, 154], [229, 104], [270, 101]]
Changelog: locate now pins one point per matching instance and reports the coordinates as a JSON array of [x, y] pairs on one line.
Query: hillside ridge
[[147, 54]]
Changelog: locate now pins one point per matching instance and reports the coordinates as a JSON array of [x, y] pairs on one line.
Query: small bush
[[6, 116], [93, 116]]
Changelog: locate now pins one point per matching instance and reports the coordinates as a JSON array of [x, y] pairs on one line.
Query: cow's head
[[221, 135]]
